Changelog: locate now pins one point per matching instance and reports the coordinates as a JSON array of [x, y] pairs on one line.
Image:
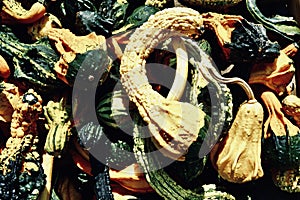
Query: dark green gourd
[[86, 67], [113, 153], [17, 182], [113, 110], [140, 15], [284, 26], [33, 63], [250, 43], [282, 152]]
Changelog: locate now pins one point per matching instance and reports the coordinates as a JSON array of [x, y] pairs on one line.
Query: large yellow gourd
[[237, 157]]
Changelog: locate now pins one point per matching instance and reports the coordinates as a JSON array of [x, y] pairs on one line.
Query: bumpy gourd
[[291, 107], [161, 180], [33, 63], [167, 119], [288, 180], [26, 114]]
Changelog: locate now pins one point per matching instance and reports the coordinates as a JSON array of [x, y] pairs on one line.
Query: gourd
[[12, 12], [240, 40], [275, 75], [116, 153], [167, 119], [107, 17], [26, 114], [281, 144], [87, 16], [112, 111], [163, 180], [21, 173], [291, 107], [4, 68], [286, 27], [33, 63], [238, 155], [66, 10], [282, 151], [59, 126], [250, 44]]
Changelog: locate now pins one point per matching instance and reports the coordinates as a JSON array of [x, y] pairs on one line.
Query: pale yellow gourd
[[238, 154]]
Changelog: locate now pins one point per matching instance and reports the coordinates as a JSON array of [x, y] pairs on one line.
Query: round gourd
[[287, 180], [282, 152]]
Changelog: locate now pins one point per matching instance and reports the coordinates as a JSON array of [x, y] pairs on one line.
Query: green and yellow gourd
[[284, 26], [112, 109], [161, 181], [59, 126]]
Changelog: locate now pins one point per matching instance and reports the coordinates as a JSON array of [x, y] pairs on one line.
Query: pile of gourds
[[85, 114]]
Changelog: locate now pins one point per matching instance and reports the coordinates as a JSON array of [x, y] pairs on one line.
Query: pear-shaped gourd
[[237, 156]]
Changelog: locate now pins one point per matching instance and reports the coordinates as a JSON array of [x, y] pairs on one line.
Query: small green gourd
[[59, 125]]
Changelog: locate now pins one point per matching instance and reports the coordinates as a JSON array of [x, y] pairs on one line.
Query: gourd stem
[[235, 80], [209, 72]]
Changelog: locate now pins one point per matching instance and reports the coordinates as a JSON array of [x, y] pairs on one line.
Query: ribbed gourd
[[59, 125]]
